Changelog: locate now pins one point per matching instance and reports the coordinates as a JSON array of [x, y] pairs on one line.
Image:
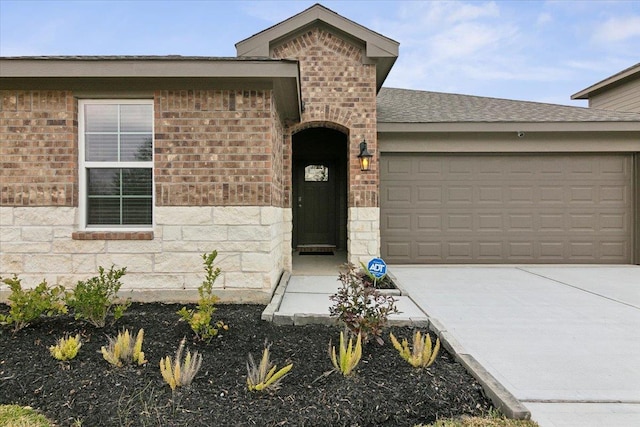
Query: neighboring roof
[[379, 49], [630, 73], [143, 72], [405, 109]]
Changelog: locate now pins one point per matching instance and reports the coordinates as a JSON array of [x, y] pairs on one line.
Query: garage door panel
[[615, 167], [429, 250], [429, 195], [551, 250], [490, 250], [489, 195], [460, 194], [551, 194], [613, 194], [614, 250], [490, 222], [429, 223], [428, 168], [613, 222], [501, 209]]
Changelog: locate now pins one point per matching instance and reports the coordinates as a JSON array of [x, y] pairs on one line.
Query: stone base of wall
[[363, 227], [185, 296], [253, 244]]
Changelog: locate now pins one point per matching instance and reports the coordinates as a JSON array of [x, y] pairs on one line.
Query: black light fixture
[[364, 157]]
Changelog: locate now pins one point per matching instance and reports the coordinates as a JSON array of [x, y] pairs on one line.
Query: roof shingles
[[414, 106]]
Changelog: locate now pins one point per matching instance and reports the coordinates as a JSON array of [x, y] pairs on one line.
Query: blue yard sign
[[377, 267]]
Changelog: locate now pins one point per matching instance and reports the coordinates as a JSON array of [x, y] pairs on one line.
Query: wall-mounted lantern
[[364, 157]]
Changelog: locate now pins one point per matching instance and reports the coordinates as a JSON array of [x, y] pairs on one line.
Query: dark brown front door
[[315, 204]]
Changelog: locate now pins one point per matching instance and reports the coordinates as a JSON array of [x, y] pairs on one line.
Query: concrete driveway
[[563, 340]]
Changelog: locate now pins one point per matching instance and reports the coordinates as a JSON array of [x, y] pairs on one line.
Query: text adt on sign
[[377, 267]]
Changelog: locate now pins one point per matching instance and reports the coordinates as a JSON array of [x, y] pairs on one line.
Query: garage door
[[506, 209]]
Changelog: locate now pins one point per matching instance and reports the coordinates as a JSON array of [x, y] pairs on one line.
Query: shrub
[[349, 355], [123, 349], [92, 300], [180, 373], [27, 306], [66, 348], [423, 354], [201, 319], [264, 376], [362, 309]]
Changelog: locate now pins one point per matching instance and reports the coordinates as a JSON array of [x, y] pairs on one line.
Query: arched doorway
[[319, 190]]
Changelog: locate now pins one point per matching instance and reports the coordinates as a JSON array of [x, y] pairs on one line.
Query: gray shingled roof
[[414, 106]]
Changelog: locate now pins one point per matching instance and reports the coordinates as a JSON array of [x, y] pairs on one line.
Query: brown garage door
[[506, 209]]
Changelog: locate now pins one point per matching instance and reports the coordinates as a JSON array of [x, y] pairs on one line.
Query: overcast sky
[[529, 50]]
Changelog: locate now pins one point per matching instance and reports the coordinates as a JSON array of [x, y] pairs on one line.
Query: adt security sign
[[377, 267]]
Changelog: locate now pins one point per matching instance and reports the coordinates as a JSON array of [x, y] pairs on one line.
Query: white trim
[[83, 165]]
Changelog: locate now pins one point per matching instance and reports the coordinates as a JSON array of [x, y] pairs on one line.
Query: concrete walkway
[[306, 300], [565, 341]]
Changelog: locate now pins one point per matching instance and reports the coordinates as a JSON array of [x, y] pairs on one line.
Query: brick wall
[[337, 88], [278, 159], [216, 148], [38, 148]]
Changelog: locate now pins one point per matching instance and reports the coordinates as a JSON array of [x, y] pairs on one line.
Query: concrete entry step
[[302, 299]]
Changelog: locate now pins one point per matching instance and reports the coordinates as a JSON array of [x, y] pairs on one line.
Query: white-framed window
[[116, 164]]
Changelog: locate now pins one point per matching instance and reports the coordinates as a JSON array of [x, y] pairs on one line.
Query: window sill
[[112, 235]]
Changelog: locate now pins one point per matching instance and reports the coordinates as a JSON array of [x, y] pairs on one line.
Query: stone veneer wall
[[363, 234], [36, 244], [339, 92]]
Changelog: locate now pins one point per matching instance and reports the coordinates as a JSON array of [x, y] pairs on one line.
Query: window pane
[[136, 118], [135, 148], [136, 211], [103, 182], [103, 211], [101, 148], [316, 173], [136, 182], [101, 118]]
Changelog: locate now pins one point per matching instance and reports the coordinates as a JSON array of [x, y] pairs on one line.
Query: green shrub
[[123, 349], [423, 353], [264, 376], [201, 319], [66, 348], [361, 309], [94, 299], [27, 306], [349, 355], [180, 372]]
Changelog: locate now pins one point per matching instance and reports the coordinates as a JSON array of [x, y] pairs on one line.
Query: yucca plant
[[423, 353], [180, 373], [66, 348], [123, 349], [264, 376], [349, 355]]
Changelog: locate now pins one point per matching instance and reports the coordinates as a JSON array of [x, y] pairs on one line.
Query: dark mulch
[[384, 391]]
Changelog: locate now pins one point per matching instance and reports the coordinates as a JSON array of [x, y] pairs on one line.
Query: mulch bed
[[384, 391]]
